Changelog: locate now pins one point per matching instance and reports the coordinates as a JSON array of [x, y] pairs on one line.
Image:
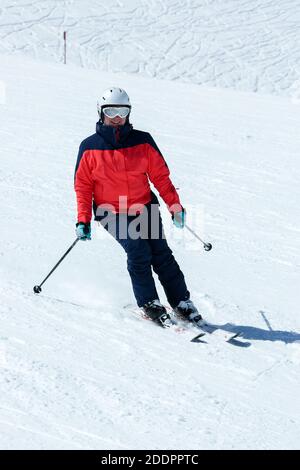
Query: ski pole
[[38, 289], [207, 246]]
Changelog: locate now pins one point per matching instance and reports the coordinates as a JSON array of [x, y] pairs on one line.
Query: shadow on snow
[[259, 334]]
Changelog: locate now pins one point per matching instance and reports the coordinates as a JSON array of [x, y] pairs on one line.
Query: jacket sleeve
[[83, 185], [159, 175]]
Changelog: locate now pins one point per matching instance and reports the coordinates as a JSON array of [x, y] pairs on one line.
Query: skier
[[112, 175]]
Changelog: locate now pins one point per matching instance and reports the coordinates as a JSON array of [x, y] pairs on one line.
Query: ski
[[218, 332], [212, 331], [172, 324], [206, 333]]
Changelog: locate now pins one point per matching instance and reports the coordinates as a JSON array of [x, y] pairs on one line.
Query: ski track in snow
[[76, 370], [251, 46]]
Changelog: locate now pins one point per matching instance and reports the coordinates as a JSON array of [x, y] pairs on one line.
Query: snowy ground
[[247, 45], [77, 371]]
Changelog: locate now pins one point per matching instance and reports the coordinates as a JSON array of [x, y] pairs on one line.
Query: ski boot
[[157, 312], [187, 311]]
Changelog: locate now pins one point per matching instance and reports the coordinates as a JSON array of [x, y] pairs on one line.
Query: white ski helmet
[[113, 96]]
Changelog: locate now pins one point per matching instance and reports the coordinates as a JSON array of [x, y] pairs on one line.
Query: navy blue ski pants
[[143, 239]]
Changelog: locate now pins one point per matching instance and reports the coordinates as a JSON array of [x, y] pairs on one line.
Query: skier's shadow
[[259, 334]]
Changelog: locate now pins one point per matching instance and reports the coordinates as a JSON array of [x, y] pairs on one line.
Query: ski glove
[[179, 218], [83, 231]]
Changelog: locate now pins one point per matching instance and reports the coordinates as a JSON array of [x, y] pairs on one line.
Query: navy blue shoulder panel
[[93, 142], [97, 142], [137, 137]]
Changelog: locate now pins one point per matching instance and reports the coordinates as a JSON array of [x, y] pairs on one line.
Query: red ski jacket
[[118, 163]]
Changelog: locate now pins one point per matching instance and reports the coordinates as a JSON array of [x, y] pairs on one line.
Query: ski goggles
[[114, 111]]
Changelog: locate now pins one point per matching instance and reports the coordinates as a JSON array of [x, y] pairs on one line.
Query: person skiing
[[112, 174]]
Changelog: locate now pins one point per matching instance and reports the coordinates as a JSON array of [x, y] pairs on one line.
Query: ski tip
[[197, 339], [234, 336]]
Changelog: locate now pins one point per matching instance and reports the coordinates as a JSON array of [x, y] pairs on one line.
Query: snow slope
[[247, 45], [77, 371]]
